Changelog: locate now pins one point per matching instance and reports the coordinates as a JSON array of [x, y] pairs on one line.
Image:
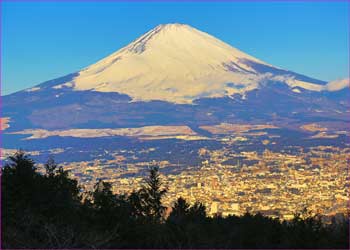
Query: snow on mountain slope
[[178, 63], [338, 84]]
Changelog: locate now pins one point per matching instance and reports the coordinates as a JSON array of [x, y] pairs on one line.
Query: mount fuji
[[176, 75]]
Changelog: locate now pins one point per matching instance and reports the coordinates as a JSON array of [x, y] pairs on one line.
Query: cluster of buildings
[[228, 181], [276, 184]]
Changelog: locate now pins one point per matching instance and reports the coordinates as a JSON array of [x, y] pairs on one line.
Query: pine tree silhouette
[[151, 195], [180, 211]]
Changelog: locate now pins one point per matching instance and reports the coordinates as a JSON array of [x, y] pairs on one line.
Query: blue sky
[[44, 40]]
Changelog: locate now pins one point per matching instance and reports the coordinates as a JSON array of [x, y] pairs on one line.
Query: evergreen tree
[[197, 212], [50, 167], [20, 166], [136, 205], [19, 183], [179, 212], [151, 195], [103, 197]]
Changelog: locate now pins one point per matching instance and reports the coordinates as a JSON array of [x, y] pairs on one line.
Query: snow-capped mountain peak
[[175, 64], [178, 63]]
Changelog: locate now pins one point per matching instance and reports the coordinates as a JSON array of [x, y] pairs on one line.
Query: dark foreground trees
[[50, 211]]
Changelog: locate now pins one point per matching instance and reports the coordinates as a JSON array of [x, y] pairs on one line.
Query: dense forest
[[52, 211]]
